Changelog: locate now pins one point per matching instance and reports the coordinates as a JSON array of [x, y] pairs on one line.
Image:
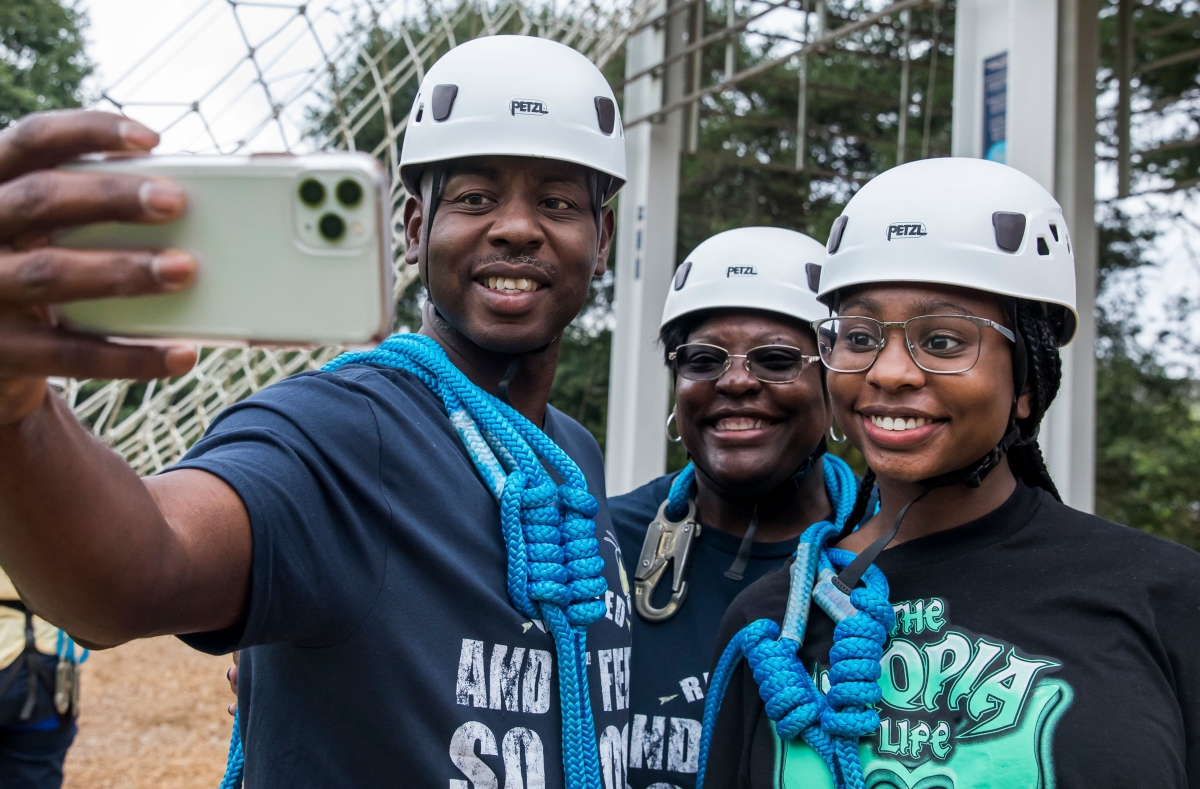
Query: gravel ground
[[153, 715]]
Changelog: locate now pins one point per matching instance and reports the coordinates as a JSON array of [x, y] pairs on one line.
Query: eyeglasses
[[941, 344], [771, 364]]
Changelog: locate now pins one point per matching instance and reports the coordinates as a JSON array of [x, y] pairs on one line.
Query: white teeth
[[507, 285], [899, 423], [740, 423]]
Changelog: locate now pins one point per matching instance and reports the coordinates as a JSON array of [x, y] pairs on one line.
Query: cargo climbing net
[[324, 75]]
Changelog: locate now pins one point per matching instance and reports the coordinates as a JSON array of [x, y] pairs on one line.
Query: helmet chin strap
[[737, 570], [972, 476]]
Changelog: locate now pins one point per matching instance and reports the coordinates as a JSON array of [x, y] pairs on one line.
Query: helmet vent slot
[[813, 270], [835, 234], [606, 114], [681, 274], [420, 114], [443, 101], [1010, 230], [1043, 247], [1054, 231]]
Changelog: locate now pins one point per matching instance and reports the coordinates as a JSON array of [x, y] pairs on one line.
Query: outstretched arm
[[91, 547]]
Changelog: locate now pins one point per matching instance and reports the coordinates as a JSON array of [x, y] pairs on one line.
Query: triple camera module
[[334, 216]]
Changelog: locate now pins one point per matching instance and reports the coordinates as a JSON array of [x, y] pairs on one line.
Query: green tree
[[42, 62], [1148, 419]]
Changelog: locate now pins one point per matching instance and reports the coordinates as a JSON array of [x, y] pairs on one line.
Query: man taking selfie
[[412, 549]]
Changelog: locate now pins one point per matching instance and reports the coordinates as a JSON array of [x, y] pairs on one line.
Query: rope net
[[299, 77]]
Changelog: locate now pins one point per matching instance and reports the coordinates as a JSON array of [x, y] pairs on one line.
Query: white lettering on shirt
[[505, 677], [620, 659], [472, 687], [535, 682], [462, 754], [683, 747], [521, 742], [691, 689], [605, 658], [612, 758], [646, 742]]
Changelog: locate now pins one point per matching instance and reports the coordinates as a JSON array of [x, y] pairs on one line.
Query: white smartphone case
[[271, 271]]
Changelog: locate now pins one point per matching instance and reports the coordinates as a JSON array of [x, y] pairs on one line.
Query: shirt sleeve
[[304, 456]]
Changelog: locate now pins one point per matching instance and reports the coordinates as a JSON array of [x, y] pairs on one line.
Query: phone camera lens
[[312, 192], [332, 227], [349, 193]]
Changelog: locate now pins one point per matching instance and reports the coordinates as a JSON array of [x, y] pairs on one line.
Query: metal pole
[[730, 19], [802, 111], [693, 142], [902, 138], [1124, 69], [639, 390], [927, 109]]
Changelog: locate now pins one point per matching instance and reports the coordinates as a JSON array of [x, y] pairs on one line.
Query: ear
[[414, 216], [1025, 404], [608, 222]]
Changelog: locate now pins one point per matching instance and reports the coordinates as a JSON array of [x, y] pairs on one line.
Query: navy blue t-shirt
[[671, 659], [380, 647]]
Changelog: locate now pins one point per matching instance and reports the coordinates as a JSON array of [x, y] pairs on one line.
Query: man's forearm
[[87, 543]]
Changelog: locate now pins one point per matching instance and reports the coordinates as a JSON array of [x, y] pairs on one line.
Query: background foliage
[[42, 62], [744, 173]]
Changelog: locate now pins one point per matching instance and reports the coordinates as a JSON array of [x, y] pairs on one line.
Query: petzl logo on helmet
[[740, 271], [528, 107], [906, 230]]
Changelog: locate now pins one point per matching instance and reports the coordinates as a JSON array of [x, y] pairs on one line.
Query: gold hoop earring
[[667, 430], [833, 435]]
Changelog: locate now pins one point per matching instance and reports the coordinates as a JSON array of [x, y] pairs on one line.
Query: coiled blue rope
[[830, 723], [555, 571]]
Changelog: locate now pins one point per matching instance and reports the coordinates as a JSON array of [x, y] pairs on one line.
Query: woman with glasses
[[975, 631], [751, 411]]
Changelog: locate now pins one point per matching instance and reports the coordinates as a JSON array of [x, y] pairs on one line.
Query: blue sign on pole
[[995, 107]]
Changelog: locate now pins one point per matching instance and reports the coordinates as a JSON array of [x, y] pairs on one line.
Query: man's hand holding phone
[[36, 200]]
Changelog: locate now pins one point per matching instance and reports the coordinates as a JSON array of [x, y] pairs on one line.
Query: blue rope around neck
[[682, 489], [830, 723], [555, 571]]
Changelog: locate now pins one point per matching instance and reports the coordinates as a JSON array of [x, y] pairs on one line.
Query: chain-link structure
[[332, 74]]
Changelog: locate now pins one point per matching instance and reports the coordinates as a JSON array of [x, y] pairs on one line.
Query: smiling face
[[748, 436], [911, 424], [512, 250]]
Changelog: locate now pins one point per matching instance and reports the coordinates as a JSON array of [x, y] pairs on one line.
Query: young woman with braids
[[975, 631]]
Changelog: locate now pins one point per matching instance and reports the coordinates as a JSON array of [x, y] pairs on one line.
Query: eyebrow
[[479, 170], [923, 307]]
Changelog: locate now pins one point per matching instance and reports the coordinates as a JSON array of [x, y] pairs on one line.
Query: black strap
[[502, 388], [737, 570]]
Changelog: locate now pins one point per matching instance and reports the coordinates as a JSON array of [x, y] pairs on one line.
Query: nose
[[737, 380], [894, 368], [516, 227]]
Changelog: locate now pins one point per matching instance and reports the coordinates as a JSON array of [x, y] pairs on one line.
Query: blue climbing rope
[[555, 571], [830, 723], [682, 489], [235, 765]]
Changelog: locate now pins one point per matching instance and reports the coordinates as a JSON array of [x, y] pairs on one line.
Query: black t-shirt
[[380, 645], [671, 659], [1035, 647]]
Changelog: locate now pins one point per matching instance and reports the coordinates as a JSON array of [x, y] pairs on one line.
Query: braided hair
[[1039, 326]]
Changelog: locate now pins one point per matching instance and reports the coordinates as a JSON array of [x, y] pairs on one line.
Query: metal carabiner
[[666, 541]]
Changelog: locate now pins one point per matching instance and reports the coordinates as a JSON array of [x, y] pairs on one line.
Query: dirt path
[[153, 716]]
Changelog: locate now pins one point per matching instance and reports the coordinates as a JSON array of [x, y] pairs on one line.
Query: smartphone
[[292, 251]]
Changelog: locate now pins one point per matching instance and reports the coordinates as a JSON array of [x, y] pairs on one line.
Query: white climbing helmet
[[966, 222], [514, 96], [762, 268]]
